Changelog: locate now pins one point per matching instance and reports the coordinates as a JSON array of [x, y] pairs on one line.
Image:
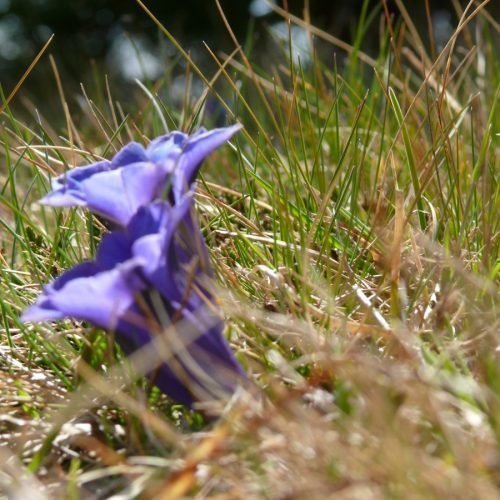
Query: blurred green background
[[119, 39]]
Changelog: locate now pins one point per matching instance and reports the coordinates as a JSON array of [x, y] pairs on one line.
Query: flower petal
[[114, 248], [205, 364], [166, 150], [79, 174], [133, 152], [119, 193], [153, 230], [43, 309], [197, 147], [89, 295]]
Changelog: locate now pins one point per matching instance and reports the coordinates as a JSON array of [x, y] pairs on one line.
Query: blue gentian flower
[[147, 278], [137, 175], [151, 276]]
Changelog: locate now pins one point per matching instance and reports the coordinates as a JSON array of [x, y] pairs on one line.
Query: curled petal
[[65, 192], [133, 152], [115, 194], [195, 149], [118, 194], [167, 149], [88, 294], [79, 174]]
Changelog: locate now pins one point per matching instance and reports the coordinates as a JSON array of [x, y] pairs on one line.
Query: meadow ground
[[353, 228]]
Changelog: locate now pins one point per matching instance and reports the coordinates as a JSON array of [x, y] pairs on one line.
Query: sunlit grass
[[353, 227]]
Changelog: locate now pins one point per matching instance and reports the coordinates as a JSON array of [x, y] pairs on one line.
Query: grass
[[353, 227]]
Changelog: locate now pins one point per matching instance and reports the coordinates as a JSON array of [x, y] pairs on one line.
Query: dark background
[[109, 34]]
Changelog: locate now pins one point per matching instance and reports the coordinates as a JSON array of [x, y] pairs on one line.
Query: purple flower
[[136, 176], [150, 279]]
